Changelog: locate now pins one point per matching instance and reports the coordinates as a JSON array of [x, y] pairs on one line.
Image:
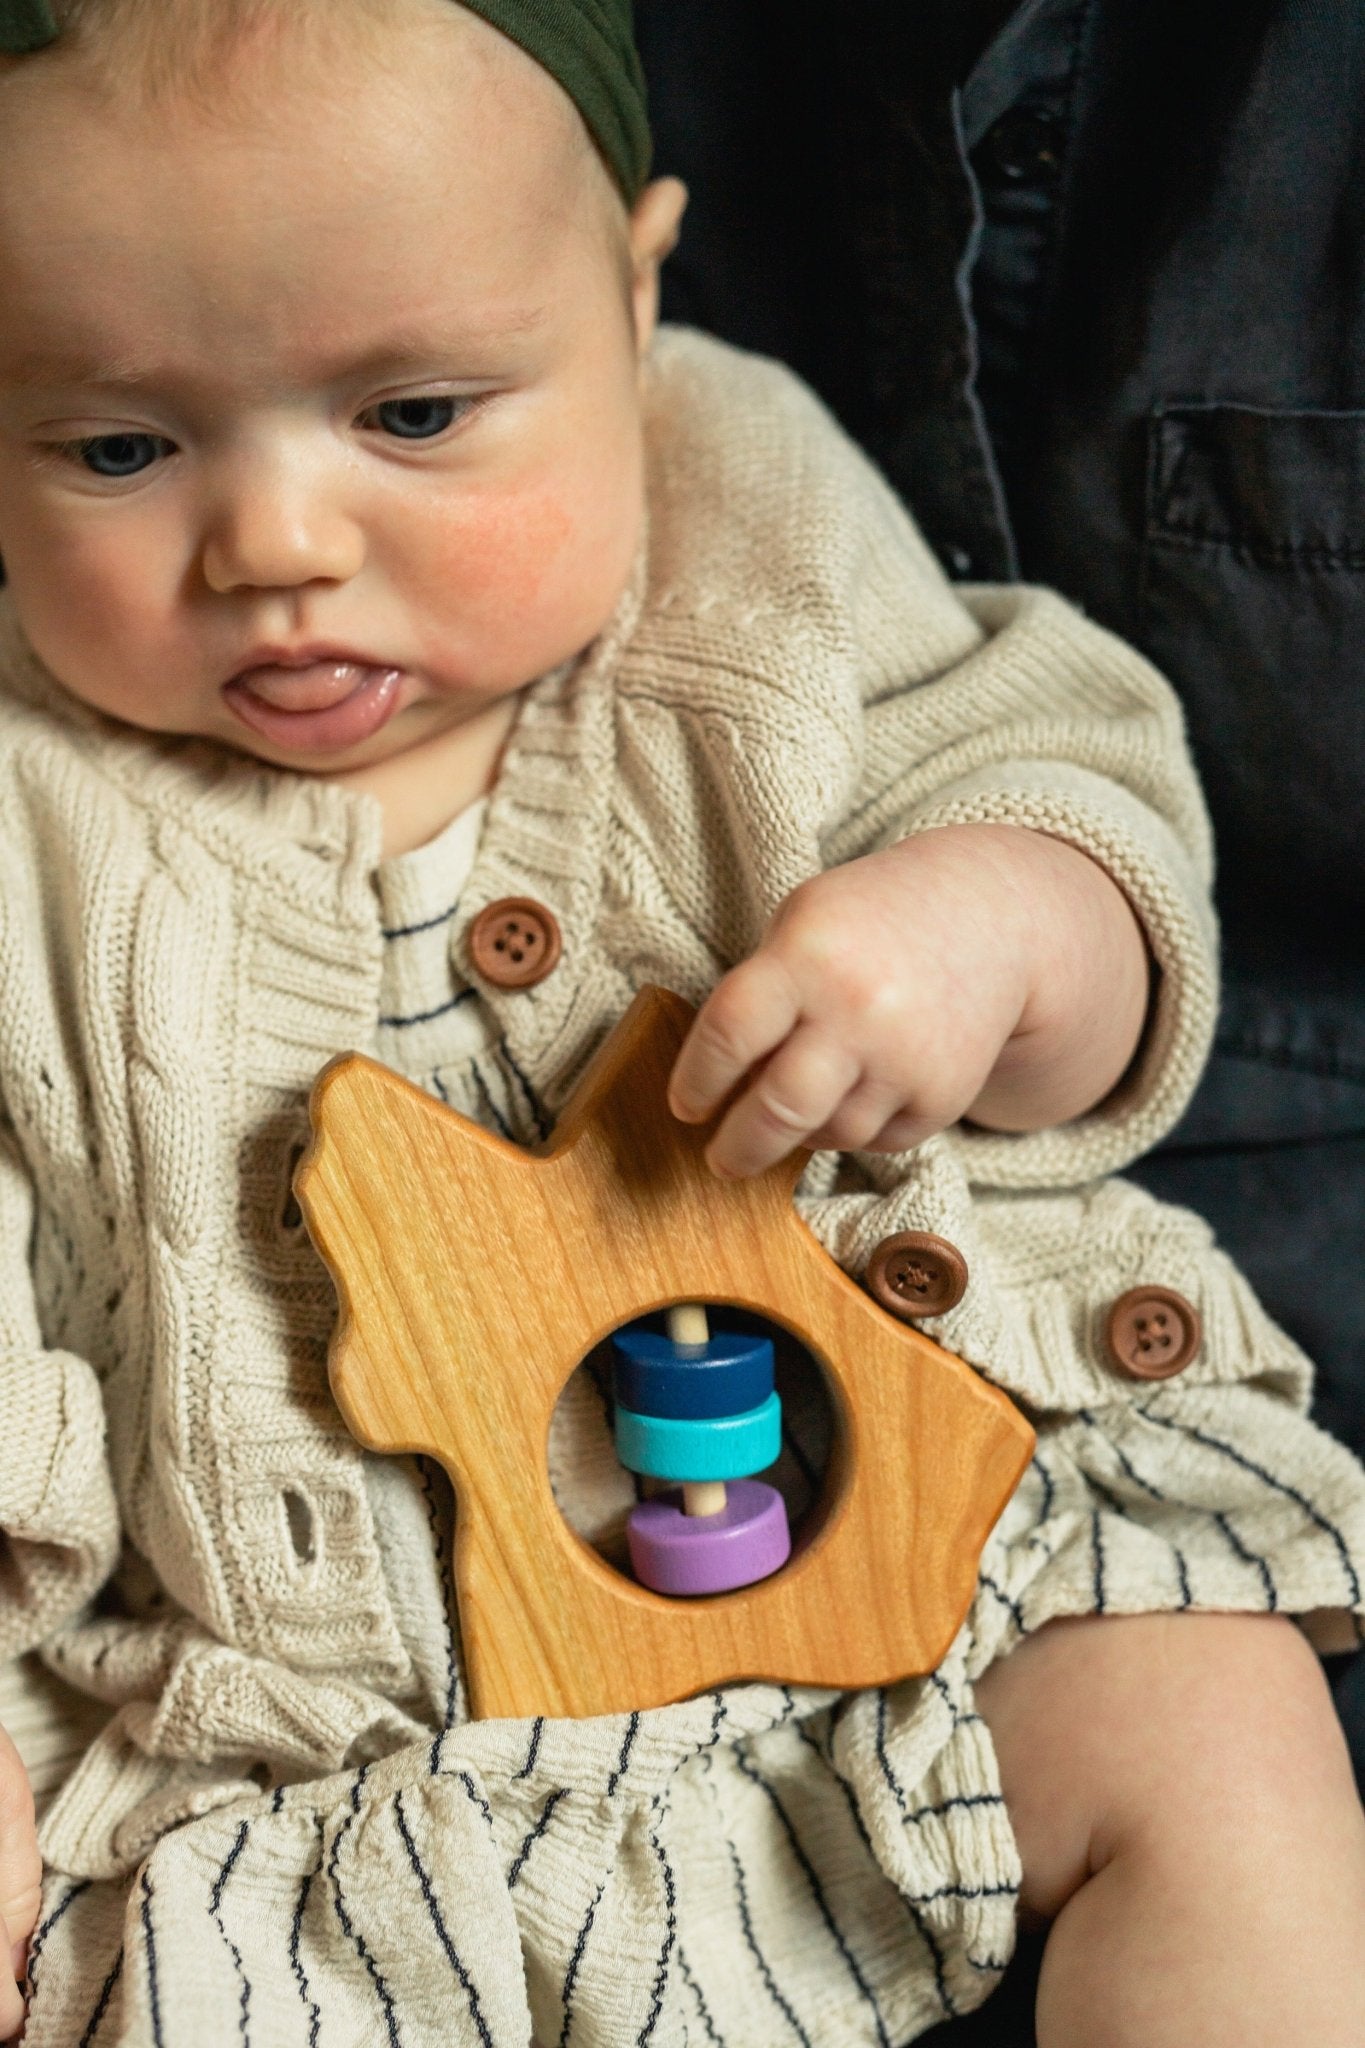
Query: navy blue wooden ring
[[725, 1376]]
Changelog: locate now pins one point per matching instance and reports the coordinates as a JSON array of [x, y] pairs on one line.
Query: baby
[[371, 562]]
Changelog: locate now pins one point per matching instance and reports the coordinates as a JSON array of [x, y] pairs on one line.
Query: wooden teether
[[473, 1278]]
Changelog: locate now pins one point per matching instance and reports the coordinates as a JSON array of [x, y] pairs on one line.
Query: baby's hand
[[976, 968], [21, 1873]]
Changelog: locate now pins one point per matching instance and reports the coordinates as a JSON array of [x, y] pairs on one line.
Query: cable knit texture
[[287, 1830]]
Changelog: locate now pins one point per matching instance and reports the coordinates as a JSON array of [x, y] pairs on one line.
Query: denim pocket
[[1253, 600], [1283, 489]]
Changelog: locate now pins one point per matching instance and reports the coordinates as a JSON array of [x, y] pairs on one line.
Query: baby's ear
[[654, 224]]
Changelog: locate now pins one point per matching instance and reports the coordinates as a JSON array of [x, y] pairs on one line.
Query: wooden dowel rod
[[703, 1496], [688, 1326]]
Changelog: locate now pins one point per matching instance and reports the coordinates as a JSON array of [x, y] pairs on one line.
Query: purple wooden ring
[[677, 1553]]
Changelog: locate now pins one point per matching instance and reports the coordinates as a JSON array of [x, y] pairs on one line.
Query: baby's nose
[[275, 533]]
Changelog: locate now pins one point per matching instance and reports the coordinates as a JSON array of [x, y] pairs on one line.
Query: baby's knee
[[1189, 1740]]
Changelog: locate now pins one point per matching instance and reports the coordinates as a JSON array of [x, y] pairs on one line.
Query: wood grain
[[474, 1277]]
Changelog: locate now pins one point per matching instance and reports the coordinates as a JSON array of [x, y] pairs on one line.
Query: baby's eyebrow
[[401, 346]]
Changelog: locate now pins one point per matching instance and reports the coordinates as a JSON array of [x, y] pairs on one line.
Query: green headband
[[588, 45]]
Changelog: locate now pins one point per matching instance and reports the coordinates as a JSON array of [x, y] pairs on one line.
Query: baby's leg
[[1188, 1823]]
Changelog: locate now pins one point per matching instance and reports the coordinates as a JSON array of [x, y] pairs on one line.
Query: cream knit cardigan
[[266, 1841]]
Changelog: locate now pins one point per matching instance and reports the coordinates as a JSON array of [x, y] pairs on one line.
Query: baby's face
[[319, 413]]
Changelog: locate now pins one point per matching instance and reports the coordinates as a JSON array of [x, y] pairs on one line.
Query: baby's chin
[[383, 717], [425, 766], [377, 719]]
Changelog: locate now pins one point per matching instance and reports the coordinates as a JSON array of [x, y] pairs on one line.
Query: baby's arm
[[20, 1878], [981, 780], [975, 970]]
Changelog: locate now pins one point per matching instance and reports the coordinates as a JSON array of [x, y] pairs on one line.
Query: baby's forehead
[[340, 133], [158, 49], [269, 245]]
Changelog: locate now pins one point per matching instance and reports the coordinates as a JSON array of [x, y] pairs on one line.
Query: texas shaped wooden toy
[[474, 1277]]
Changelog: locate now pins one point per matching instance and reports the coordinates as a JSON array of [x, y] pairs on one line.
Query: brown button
[[514, 943], [1152, 1332], [916, 1274]]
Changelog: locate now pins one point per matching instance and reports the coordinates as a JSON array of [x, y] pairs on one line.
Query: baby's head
[[320, 428]]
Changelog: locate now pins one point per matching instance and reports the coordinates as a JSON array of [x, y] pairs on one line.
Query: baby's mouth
[[315, 687], [315, 707]]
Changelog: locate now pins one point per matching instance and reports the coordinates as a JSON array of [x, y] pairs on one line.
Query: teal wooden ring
[[686, 1447]]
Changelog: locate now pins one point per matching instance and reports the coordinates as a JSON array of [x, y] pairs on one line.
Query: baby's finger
[[859, 1120], [794, 1094], [745, 1016], [899, 1133]]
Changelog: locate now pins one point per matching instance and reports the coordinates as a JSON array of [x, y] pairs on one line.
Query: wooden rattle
[[474, 1278]]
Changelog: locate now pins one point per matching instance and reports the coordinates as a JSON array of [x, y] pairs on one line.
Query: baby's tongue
[[314, 688]]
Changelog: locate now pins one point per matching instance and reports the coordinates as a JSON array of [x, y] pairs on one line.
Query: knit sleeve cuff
[[58, 1519], [1164, 884]]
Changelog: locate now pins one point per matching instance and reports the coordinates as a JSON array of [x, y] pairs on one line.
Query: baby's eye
[[121, 454], [415, 419]]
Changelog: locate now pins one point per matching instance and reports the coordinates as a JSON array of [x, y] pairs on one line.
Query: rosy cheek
[[504, 550], [518, 582]]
